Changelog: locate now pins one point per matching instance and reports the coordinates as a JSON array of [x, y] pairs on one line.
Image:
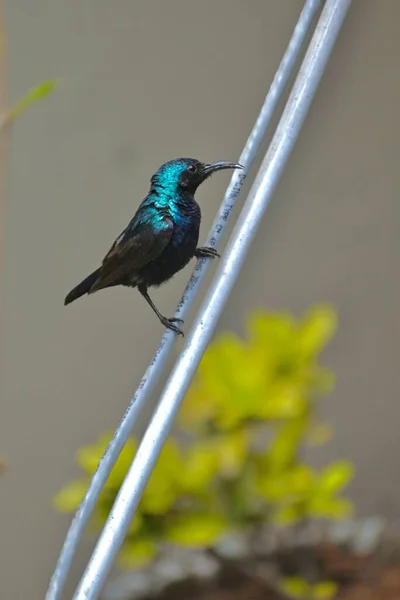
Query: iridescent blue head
[[186, 174]]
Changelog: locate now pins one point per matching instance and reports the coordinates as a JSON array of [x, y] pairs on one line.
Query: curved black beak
[[209, 169]]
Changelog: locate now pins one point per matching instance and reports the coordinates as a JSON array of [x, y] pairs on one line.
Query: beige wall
[[141, 82]]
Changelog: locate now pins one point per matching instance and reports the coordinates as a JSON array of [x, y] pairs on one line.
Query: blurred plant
[[296, 587], [37, 93], [248, 413]]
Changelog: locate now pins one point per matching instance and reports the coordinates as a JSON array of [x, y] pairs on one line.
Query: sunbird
[[161, 238]]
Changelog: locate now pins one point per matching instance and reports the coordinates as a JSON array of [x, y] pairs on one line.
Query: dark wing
[[132, 251]]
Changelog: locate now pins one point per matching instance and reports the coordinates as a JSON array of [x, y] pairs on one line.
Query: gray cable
[[158, 362], [258, 199]]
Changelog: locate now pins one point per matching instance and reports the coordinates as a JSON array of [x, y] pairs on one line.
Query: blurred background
[[140, 83]]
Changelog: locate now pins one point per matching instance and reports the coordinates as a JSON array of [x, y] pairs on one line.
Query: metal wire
[[156, 366], [258, 199]]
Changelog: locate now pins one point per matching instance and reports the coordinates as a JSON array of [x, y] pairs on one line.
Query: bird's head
[[187, 174]]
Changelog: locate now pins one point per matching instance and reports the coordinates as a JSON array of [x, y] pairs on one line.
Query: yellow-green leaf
[[324, 590], [284, 448], [316, 329], [165, 482], [70, 496], [88, 458], [291, 484], [136, 553], [201, 466], [335, 508], [296, 587], [135, 524], [288, 515], [265, 328], [158, 498], [335, 476], [285, 401], [169, 464], [122, 465], [198, 530], [199, 406], [232, 450], [34, 95]]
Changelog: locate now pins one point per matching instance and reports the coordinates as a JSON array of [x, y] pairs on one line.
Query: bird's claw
[[169, 323], [206, 252]]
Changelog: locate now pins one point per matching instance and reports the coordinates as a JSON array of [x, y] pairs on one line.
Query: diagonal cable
[[160, 357], [268, 176]]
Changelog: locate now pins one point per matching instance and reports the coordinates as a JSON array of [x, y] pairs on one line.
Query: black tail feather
[[82, 288]]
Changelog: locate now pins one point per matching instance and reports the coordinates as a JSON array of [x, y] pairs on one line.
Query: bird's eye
[[192, 168]]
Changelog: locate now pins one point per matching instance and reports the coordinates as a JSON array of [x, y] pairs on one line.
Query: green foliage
[[230, 478], [298, 588]]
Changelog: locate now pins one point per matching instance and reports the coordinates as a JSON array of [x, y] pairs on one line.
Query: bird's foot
[[206, 252], [169, 323]]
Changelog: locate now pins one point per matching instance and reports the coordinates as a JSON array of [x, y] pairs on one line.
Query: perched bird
[[162, 236]]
